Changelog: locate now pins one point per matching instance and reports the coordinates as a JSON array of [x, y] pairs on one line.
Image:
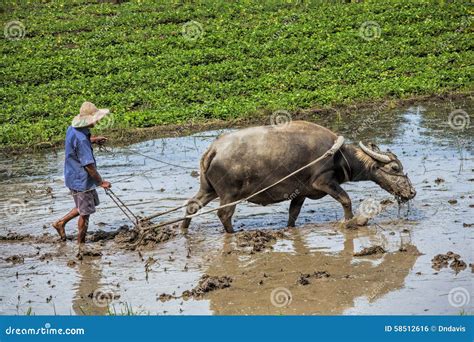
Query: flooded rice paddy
[[309, 269]]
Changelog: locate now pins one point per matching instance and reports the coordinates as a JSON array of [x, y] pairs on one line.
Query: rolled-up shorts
[[85, 201]]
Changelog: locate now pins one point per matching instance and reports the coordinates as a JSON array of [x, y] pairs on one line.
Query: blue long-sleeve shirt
[[79, 154]]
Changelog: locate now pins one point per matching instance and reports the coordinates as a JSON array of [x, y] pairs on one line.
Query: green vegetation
[[134, 59], [126, 309]]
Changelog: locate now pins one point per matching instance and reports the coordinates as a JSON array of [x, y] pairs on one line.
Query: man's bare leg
[[60, 224], [82, 225]]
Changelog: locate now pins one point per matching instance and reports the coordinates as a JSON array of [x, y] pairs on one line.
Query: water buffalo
[[240, 163]]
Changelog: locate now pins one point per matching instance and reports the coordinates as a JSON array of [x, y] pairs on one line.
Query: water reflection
[[257, 275], [91, 297], [396, 282]]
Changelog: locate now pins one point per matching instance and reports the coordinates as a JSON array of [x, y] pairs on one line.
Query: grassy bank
[[179, 64]]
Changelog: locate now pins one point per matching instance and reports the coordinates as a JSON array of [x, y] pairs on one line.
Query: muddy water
[[48, 279]]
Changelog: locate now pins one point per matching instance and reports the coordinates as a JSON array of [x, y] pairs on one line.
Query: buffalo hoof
[[362, 220], [229, 230], [354, 222], [349, 224]]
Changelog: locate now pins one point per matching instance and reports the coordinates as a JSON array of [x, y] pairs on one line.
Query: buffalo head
[[387, 171]]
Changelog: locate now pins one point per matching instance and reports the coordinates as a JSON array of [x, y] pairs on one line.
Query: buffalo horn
[[377, 156]]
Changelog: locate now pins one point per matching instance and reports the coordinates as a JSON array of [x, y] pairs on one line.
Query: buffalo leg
[[194, 204], [225, 215], [335, 191], [295, 208]]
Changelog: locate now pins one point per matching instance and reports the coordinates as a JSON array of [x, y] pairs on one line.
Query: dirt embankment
[[127, 136], [124, 237]]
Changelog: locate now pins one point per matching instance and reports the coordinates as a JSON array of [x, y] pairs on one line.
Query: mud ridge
[[15, 259], [15, 237], [206, 284], [304, 278], [443, 260], [143, 238], [258, 240], [371, 251]]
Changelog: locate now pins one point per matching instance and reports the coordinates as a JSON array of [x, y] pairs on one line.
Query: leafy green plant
[[135, 59]]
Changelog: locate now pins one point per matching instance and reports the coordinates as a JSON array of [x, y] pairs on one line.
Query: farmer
[[80, 172]]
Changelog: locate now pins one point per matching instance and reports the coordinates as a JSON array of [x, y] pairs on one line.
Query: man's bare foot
[[80, 251], [60, 229]]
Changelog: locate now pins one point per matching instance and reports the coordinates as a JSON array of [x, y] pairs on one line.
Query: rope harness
[[347, 175], [137, 222]]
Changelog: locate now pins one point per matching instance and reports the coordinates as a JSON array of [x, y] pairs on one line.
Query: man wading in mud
[[80, 173]]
